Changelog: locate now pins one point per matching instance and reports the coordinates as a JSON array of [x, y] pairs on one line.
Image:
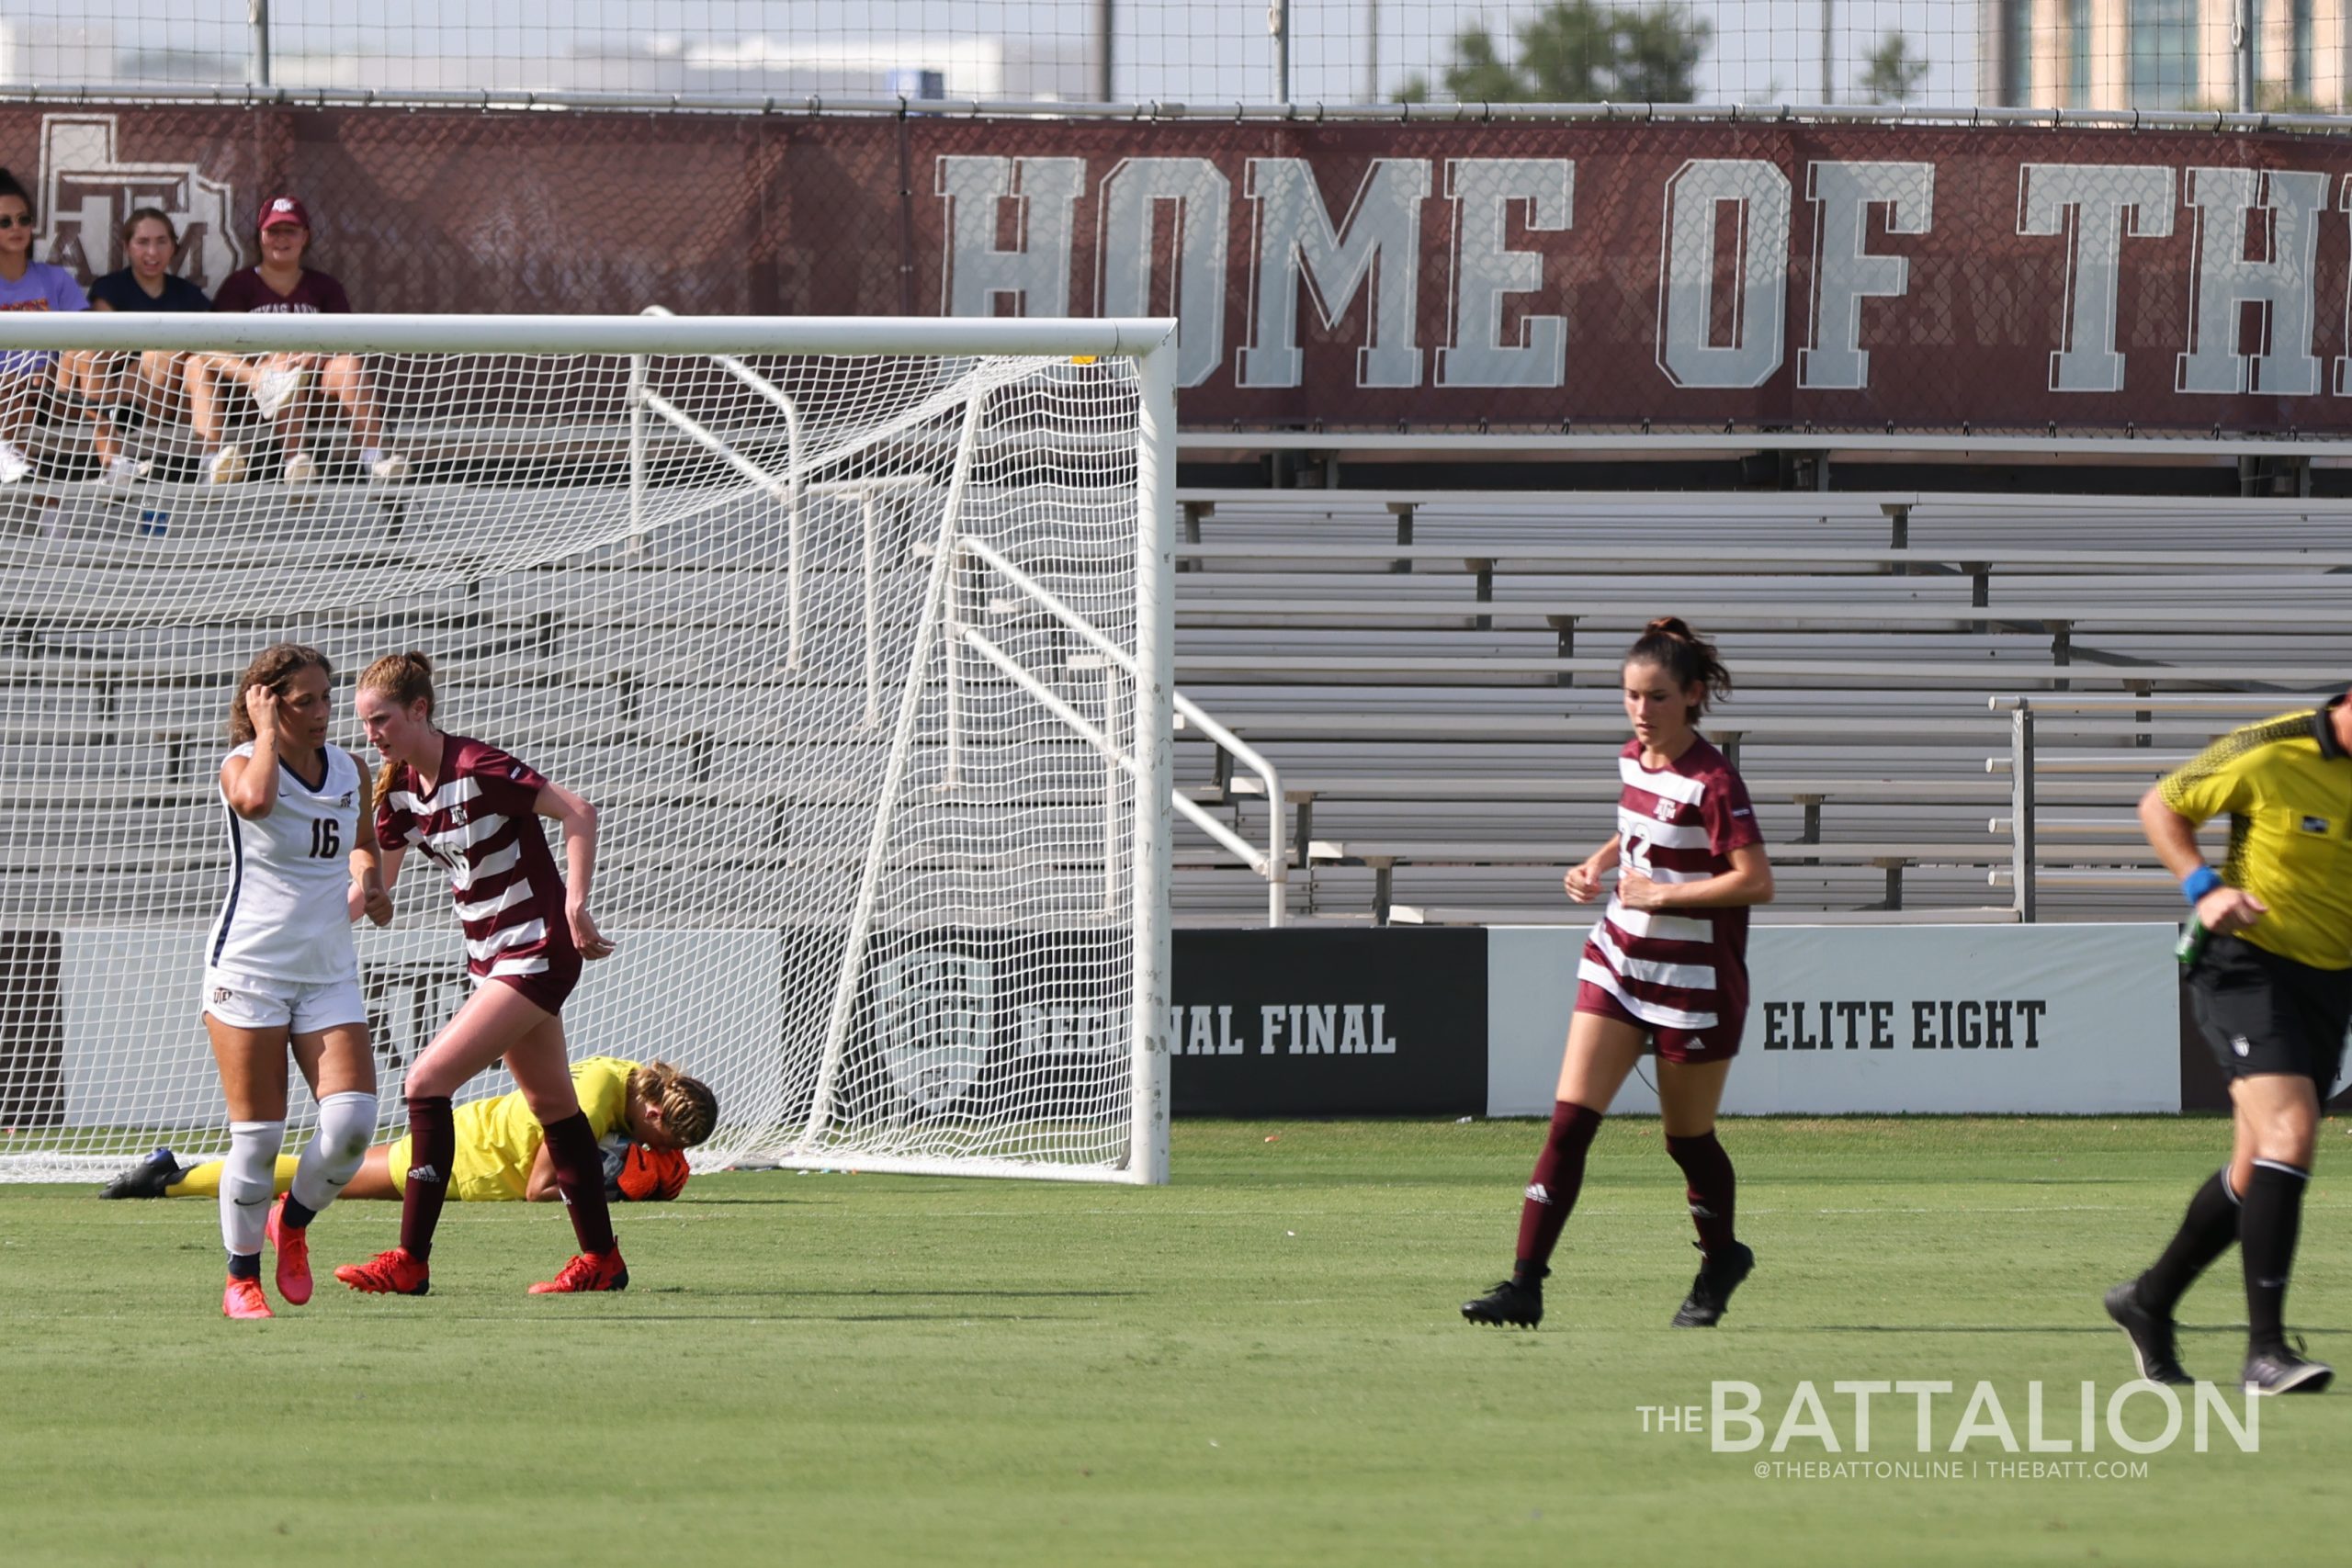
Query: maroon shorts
[[547, 989], [1720, 1044]]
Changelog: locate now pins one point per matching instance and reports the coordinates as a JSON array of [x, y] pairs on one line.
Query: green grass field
[[1260, 1363]]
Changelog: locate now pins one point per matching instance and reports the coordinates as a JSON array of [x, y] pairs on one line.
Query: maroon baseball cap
[[281, 211]]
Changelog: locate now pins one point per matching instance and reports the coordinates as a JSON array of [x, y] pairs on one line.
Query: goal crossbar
[[706, 336]]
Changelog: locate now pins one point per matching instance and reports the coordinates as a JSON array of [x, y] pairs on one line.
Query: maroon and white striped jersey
[[477, 824], [1678, 824]]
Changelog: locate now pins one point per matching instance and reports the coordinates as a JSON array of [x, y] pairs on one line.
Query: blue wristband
[[2198, 883]]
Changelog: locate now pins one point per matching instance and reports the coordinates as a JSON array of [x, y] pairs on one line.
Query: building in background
[[2160, 54], [1028, 68]]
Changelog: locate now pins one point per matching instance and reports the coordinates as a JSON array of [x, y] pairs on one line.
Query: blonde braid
[[688, 1108]]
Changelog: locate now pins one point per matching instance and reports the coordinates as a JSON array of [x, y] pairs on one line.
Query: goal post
[[857, 630]]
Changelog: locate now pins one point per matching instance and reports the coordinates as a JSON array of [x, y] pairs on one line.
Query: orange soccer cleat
[[394, 1273], [587, 1271], [293, 1256], [243, 1299]]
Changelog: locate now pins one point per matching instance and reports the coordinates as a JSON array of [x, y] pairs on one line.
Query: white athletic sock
[[345, 1123], [247, 1182]]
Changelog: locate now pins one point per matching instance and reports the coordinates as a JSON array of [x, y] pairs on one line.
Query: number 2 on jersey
[[326, 838]]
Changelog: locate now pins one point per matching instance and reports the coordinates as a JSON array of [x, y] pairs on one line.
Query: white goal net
[[855, 632]]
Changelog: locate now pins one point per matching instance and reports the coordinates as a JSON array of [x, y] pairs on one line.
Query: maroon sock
[[1552, 1191], [1706, 1170], [433, 1149], [580, 1177]]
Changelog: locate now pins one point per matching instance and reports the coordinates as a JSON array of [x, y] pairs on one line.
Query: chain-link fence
[[2272, 56]]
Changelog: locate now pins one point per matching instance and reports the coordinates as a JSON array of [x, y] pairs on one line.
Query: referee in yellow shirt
[[2272, 993]]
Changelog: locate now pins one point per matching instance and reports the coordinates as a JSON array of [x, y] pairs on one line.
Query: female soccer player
[[284, 284], [279, 966], [474, 811], [1666, 966], [148, 382], [501, 1157]]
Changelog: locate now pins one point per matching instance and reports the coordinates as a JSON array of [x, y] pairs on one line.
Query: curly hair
[[275, 667]]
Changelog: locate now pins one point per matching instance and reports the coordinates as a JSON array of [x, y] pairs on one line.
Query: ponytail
[[1671, 644], [406, 678]]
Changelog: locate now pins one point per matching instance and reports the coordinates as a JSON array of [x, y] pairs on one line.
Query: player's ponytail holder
[[2198, 883]]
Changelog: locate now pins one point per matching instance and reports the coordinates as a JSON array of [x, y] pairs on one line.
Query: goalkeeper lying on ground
[[644, 1117]]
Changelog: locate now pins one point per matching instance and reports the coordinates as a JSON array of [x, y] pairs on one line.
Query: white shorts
[[246, 1001]]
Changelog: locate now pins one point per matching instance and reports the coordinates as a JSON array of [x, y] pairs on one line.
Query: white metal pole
[[1113, 883], [872, 618], [637, 389], [950, 614], [1154, 725]]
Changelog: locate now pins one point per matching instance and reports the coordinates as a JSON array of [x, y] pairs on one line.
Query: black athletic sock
[[2206, 1232], [433, 1149], [295, 1216], [2267, 1225], [580, 1177], [245, 1265]]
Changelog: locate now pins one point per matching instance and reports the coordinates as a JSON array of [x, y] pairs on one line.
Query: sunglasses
[[11, 220]]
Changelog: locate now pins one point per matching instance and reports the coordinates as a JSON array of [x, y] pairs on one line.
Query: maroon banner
[[1437, 276]]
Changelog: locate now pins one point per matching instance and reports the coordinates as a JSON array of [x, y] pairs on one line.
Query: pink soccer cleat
[[243, 1299], [293, 1256]]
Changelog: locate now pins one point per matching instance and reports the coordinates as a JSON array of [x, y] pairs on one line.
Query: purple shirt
[[44, 287], [317, 294]]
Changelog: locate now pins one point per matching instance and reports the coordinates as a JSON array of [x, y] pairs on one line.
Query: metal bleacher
[[1435, 672]]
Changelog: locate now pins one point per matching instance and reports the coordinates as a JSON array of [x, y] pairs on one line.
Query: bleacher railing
[[2133, 740]]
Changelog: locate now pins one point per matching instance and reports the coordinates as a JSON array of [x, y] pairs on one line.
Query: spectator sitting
[[148, 381], [24, 284], [279, 383]]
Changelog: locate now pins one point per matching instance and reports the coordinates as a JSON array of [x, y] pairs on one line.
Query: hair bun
[[423, 663], [1670, 625]]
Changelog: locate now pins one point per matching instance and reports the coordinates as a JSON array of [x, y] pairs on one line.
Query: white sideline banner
[[123, 987], [2027, 1019]]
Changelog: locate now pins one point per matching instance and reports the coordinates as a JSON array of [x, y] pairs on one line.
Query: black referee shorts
[[2262, 1013]]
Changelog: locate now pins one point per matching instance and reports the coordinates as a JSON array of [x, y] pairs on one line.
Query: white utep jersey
[[286, 915]]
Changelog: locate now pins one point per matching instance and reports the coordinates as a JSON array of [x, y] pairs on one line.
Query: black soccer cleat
[[1711, 1292], [2151, 1335], [150, 1178], [1508, 1305], [2284, 1371]]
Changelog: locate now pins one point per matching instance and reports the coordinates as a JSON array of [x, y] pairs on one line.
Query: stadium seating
[[1433, 669], [1402, 656]]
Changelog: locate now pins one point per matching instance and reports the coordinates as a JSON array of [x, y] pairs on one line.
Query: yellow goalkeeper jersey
[[2286, 786], [498, 1139]]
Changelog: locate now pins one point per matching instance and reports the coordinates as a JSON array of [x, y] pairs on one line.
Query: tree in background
[[1579, 51], [1893, 73]]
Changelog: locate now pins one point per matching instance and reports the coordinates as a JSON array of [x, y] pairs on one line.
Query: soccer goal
[[856, 632]]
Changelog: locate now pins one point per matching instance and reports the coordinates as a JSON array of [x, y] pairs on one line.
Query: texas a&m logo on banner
[[87, 191]]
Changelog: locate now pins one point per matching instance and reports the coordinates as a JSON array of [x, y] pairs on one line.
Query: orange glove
[[652, 1176]]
